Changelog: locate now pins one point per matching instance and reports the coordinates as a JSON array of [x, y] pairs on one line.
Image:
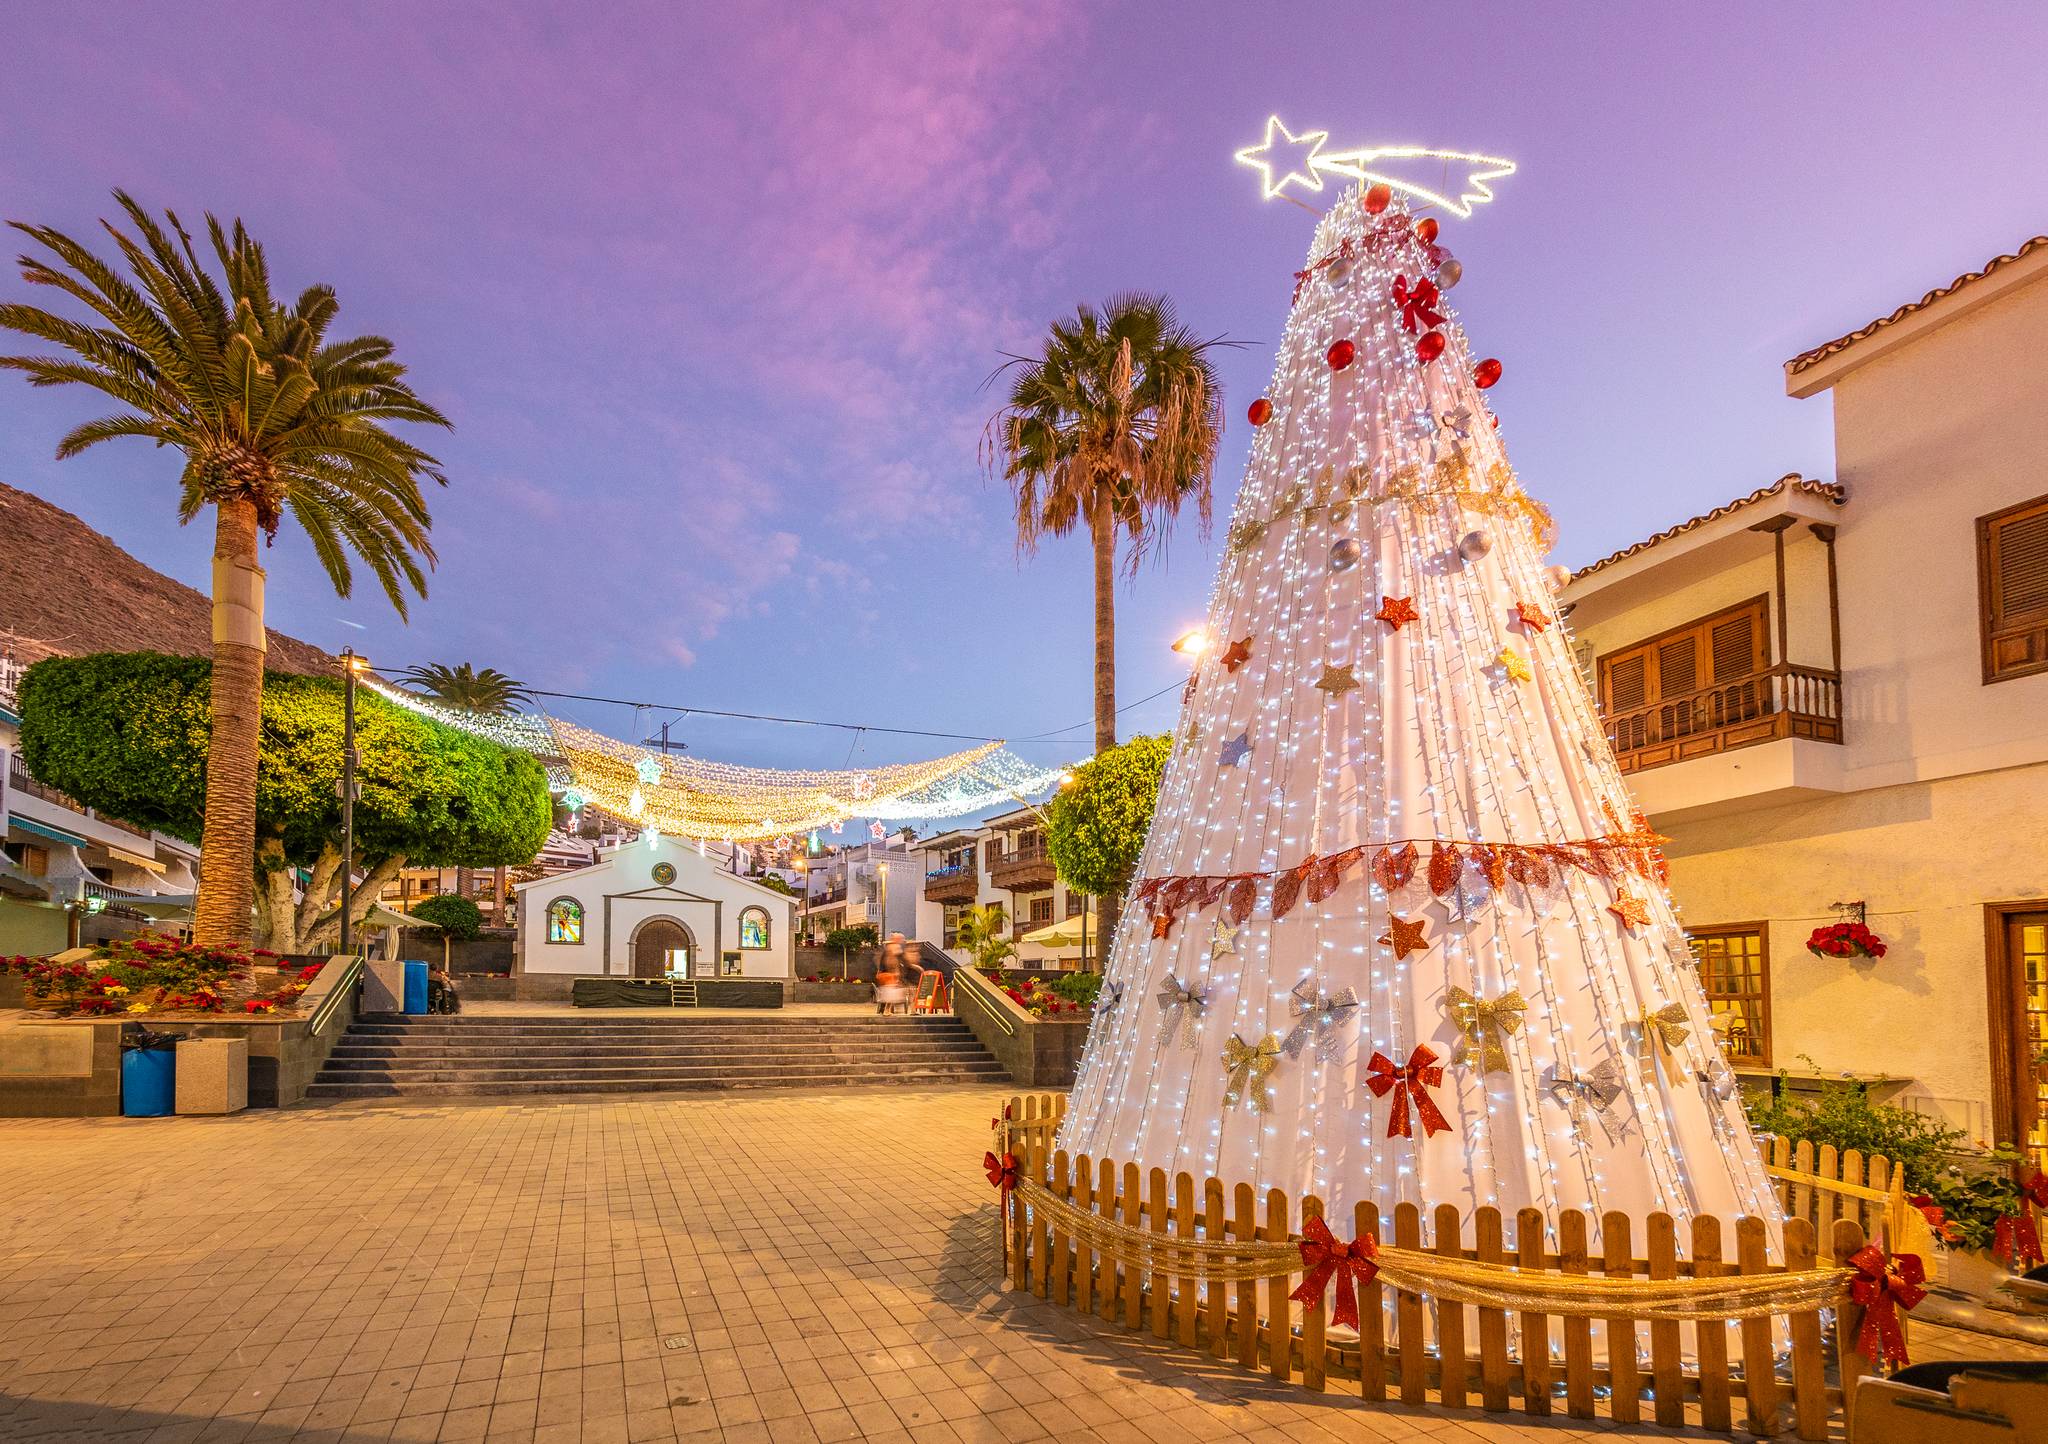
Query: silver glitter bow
[[1598, 1089], [1717, 1084], [1109, 997], [1317, 1015], [1183, 1006]]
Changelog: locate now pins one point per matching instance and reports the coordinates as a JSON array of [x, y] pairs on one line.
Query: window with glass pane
[[754, 928], [565, 921], [1734, 968], [2033, 961]]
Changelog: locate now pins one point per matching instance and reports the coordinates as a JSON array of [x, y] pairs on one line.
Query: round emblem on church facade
[[664, 873]]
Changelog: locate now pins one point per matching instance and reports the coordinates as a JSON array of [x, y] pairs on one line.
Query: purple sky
[[710, 292]]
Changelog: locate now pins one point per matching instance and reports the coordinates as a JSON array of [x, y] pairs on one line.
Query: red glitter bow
[[1409, 1083], [1002, 1172], [1418, 307], [2036, 1189], [2017, 1241], [1884, 1284], [1349, 1263]]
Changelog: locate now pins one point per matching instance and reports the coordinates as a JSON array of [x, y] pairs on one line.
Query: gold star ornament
[[1513, 665], [1633, 910], [1336, 681], [1404, 936]]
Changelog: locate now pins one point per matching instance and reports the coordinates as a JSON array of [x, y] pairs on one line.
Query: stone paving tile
[[753, 1266]]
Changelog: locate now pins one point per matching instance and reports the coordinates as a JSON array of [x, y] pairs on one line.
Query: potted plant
[[1845, 940]]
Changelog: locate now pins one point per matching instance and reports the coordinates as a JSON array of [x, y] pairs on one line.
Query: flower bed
[[158, 975], [1067, 995]]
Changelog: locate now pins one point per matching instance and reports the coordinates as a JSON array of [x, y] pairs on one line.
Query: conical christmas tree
[[1399, 933]]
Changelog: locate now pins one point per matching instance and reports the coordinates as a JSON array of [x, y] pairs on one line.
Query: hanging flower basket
[[1845, 940]]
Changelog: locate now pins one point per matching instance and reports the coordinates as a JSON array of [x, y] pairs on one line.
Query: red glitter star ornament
[[1397, 611], [1237, 654], [1633, 911], [1162, 924], [1405, 936], [1533, 618]]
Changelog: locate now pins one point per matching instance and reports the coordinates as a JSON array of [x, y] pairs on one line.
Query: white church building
[[654, 908]]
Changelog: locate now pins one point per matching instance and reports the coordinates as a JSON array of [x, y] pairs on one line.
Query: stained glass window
[[565, 921], [754, 928]]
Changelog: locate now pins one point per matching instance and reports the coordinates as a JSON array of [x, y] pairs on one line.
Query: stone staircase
[[393, 1056]]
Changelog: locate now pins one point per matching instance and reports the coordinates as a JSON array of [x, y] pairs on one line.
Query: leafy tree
[[126, 732], [488, 691], [1113, 427], [273, 417], [860, 935], [984, 935], [1096, 824], [450, 918], [776, 884]]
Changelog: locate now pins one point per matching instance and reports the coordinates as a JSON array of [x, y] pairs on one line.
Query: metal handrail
[[975, 991], [317, 1022]]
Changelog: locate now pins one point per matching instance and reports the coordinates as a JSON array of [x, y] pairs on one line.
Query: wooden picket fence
[[1421, 1351], [1822, 1187]]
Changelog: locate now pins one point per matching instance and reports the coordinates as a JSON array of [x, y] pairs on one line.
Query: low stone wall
[[833, 992], [490, 953], [47, 1071], [1037, 1052]]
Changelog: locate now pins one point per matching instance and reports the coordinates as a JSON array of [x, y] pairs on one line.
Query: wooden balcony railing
[[957, 883], [1778, 702], [1027, 866]]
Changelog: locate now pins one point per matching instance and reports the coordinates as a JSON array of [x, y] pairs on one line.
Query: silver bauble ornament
[[1339, 271], [1475, 544], [1344, 554], [1449, 273], [1558, 577]]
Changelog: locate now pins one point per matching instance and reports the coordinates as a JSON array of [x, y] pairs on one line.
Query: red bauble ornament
[[1428, 346], [1259, 412], [1486, 373], [1340, 355], [1378, 198], [1427, 229]]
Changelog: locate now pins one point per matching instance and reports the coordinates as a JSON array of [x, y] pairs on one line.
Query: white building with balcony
[[1833, 698]]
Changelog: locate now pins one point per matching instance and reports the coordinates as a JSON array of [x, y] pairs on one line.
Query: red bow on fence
[[2036, 1189], [1002, 1172], [1409, 1083], [1349, 1263], [1884, 1284], [1418, 307], [2017, 1241]]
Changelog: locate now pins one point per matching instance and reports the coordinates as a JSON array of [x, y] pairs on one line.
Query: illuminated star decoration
[[1285, 158], [1397, 612], [877, 831], [1512, 664], [1633, 911], [1223, 941], [573, 800], [1404, 936], [1336, 681], [1532, 617], [1237, 654], [648, 770], [1235, 750], [1293, 155]]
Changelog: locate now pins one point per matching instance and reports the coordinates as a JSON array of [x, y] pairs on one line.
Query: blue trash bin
[[415, 987], [149, 1082]]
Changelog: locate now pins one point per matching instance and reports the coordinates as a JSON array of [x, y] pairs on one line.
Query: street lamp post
[[351, 664]]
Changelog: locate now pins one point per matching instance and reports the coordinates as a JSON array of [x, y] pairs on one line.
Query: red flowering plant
[[160, 973], [1845, 940]]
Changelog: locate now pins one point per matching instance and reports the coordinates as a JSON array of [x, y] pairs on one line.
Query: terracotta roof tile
[[1832, 491], [1818, 354]]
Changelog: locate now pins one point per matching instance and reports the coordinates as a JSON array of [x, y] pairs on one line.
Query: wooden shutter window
[[2012, 584], [1734, 647], [1628, 683], [1687, 681]]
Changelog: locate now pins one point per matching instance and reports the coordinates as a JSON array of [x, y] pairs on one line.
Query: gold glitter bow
[[1484, 1026], [1599, 1089], [1248, 1065], [1662, 1032]]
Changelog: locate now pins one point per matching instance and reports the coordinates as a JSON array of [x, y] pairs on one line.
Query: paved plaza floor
[[776, 1266]]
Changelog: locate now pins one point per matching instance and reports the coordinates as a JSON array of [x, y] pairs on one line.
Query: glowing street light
[[1192, 643]]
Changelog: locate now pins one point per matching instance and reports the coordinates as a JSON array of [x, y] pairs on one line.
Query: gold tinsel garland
[[1450, 1279]]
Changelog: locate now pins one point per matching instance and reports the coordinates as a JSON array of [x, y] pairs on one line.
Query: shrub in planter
[[159, 973], [1845, 940]]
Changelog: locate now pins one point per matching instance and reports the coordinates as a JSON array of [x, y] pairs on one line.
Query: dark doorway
[[656, 943]]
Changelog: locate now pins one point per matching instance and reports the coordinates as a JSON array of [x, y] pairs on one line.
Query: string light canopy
[[1286, 158], [697, 797]]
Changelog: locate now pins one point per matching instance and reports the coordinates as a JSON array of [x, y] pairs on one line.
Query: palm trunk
[[223, 914], [1102, 528]]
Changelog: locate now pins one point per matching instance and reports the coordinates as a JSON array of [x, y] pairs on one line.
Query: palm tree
[[488, 691], [273, 418], [983, 934], [1114, 427]]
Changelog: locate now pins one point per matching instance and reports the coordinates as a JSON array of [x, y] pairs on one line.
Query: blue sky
[[712, 294]]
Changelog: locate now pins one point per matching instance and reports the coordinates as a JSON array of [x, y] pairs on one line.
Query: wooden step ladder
[[682, 994]]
